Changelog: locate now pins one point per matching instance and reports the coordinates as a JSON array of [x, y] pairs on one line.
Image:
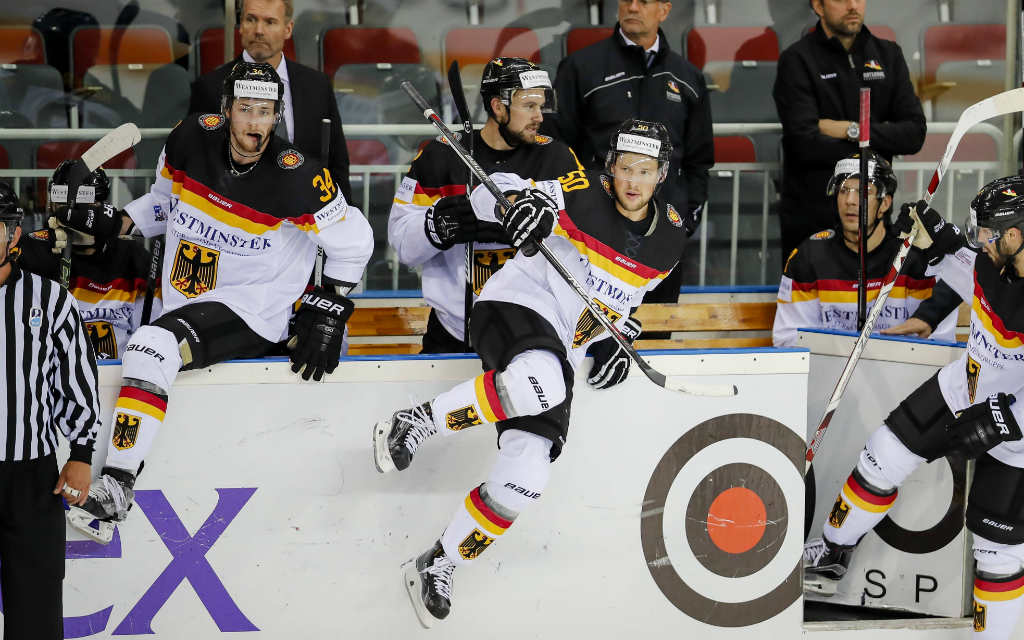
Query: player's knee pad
[[997, 559], [532, 383], [520, 473], [152, 356], [995, 505], [920, 421], [885, 462]]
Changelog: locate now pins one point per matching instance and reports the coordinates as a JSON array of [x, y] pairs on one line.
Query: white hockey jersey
[[247, 241]]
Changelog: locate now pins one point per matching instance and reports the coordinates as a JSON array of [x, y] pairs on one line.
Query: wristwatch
[[853, 132]]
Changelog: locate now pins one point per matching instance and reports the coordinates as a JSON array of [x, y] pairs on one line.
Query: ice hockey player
[[431, 218], [243, 213], [532, 331], [109, 275], [968, 409], [819, 282]]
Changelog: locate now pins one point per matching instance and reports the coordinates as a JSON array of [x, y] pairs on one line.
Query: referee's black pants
[[31, 550]]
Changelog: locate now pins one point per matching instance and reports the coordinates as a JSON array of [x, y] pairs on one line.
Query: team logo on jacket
[[606, 183], [474, 544], [104, 341], [486, 263], [588, 327], [541, 139], [194, 271], [979, 616], [42, 234], [823, 235], [1009, 192], [290, 159], [839, 512], [673, 216], [875, 72], [973, 371], [211, 121], [126, 431], [873, 65], [672, 86], [461, 418]]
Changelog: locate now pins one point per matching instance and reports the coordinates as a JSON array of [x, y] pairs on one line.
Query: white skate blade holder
[[819, 585], [414, 587], [84, 522], [381, 455]]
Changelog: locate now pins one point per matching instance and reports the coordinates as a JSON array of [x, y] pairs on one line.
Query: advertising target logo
[[720, 507]]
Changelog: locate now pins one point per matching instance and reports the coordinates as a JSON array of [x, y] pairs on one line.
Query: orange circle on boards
[[736, 520]]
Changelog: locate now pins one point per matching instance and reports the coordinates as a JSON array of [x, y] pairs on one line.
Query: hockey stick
[[152, 280], [325, 151], [455, 85], [114, 142], [655, 376], [999, 104], [862, 208]]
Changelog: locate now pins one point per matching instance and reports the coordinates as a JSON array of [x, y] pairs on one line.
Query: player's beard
[[839, 27], [247, 146]]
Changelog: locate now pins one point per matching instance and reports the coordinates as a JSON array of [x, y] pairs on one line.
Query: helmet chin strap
[[505, 133], [1010, 259]]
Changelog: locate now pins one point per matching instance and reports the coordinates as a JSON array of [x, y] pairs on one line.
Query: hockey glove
[[982, 426], [319, 332], [529, 220], [100, 220], [691, 221], [936, 237], [611, 363]]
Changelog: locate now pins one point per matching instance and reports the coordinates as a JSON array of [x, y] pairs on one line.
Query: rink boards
[[260, 513]]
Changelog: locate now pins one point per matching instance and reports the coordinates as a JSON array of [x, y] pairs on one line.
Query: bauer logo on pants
[[195, 269], [461, 418], [126, 431], [104, 341], [474, 544]]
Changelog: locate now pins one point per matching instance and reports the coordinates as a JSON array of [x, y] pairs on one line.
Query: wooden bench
[[382, 326]]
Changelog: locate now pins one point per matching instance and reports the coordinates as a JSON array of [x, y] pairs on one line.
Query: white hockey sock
[[997, 606], [517, 480], [149, 366], [531, 384]]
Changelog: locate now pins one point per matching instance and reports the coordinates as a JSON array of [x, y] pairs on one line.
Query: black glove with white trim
[[100, 220], [982, 426], [529, 220], [319, 332], [451, 221], [936, 237], [611, 363]]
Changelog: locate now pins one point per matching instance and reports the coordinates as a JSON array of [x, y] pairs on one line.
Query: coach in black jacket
[[602, 85], [264, 27], [817, 93]]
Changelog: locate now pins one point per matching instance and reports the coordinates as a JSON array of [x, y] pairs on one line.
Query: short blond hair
[[289, 8]]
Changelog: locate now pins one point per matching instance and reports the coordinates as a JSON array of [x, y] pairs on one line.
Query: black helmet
[[643, 137], [11, 212], [503, 76], [879, 171], [252, 80], [98, 180], [998, 206]]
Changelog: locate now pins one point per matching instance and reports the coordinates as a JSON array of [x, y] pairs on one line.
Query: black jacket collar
[[818, 37], [663, 47]]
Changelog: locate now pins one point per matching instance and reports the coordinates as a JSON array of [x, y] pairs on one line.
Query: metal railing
[[734, 171]]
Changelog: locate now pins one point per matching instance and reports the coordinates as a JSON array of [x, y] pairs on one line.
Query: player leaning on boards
[[108, 275], [819, 282], [431, 218], [243, 213], [532, 332], [967, 409]]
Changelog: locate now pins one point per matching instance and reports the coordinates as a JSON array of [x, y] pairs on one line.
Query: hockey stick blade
[[116, 141], [654, 376], [1000, 104]]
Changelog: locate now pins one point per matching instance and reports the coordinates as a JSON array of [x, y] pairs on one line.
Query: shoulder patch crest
[[290, 159], [606, 182], [211, 121], [41, 234], [824, 235], [673, 216], [542, 139]]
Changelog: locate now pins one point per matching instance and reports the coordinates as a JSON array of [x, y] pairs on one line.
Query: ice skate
[[396, 439], [110, 498], [825, 565], [428, 579]]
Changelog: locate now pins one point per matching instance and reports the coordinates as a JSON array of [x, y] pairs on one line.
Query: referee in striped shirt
[[47, 382]]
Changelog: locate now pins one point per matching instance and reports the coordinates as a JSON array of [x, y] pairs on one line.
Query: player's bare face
[[634, 177], [842, 17], [640, 19], [252, 121], [525, 114], [264, 29], [848, 201]]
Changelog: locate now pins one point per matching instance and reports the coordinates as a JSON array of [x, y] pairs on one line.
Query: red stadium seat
[[883, 32], [734, 149], [366, 151], [5, 161], [729, 44], [92, 46], [478, 45], [51, 154], [211, 48], [581, 37], [958, 42], [23, 45], [358, 45]]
